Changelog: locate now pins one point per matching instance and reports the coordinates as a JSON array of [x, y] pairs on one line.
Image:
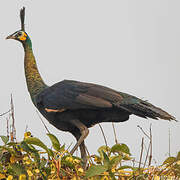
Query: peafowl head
[[19, 36]]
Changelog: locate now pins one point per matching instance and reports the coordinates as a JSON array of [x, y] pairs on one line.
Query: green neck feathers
[[34, 81]]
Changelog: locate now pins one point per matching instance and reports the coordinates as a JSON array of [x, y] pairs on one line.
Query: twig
[[150, 156], [26, 128], [133, 160], [43, 123], [169, 143], [103, 134], [143, 131], [146, 156], [115, 137], [69, 146], [90, 158], [13, 133], [5, 113], [7, 126], [142, 148]]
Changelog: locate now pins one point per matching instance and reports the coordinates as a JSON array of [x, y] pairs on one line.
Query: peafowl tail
[[143, 108]]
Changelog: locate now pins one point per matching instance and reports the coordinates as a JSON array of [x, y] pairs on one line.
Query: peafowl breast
[[75, 106]]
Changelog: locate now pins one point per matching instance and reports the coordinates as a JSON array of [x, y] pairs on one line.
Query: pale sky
[[130, 46]]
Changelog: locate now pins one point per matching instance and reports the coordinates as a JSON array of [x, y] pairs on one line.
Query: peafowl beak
[[11, 37]]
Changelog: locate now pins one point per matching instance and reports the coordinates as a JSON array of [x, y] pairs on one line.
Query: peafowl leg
[[80, 139], [83, 152]]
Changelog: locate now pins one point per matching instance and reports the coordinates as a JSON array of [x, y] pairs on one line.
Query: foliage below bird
[[75, 106]]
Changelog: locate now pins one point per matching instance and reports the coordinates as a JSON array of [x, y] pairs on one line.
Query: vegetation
[[31, 159]]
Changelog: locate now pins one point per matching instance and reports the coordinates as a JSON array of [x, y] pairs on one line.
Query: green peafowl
[[75, 106]]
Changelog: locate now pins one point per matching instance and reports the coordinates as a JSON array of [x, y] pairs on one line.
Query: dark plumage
[[75, 106]]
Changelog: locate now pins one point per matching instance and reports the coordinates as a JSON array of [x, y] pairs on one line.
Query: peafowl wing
[[73, 95]]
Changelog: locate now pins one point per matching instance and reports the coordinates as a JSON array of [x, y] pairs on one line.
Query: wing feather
[[93, 101], [77, 95]]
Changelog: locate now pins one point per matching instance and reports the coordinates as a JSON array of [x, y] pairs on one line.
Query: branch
[[150, 156], [146, 156], [143, 131], [142, 147], [43, 123], [13, 133], [116, 141], [103, 134], [5, 113], [169, 143], [22, 17]]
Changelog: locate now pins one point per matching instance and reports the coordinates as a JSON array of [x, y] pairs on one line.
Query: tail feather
[[156, 111], [144, 109]]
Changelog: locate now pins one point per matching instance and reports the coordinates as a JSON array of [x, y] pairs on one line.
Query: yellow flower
[[5, 170], [53, 171], [27, 134], [104, 178], [28, 162], [80, 170], [113, 170], [76, 161], [127, 156], [2, 176], [12, 159], [75, 178], [156, 177], [44, 173], [37, 171], [120, 171], [25, 158], [106, 173], [69, 159], [97, 159], [29, 173], [178, 162], [10, 177], [22, 177]]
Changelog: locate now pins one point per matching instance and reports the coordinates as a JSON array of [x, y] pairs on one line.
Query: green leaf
[[169, 160], [43, 163], [27, 148], [115, 161], [37, 142], [126, 167], [50, 152], [11, 143], [5, 139], [178, 156], [103, 149], [140, 177], [120, 148], [18, 169], [55, 142], [106, 159], [95, 170], [1, 168], [62, 148]]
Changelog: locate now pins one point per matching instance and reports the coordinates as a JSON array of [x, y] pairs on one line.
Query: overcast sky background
[[130, 46]]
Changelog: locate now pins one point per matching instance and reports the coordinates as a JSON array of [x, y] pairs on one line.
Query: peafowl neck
[[35, 83]]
